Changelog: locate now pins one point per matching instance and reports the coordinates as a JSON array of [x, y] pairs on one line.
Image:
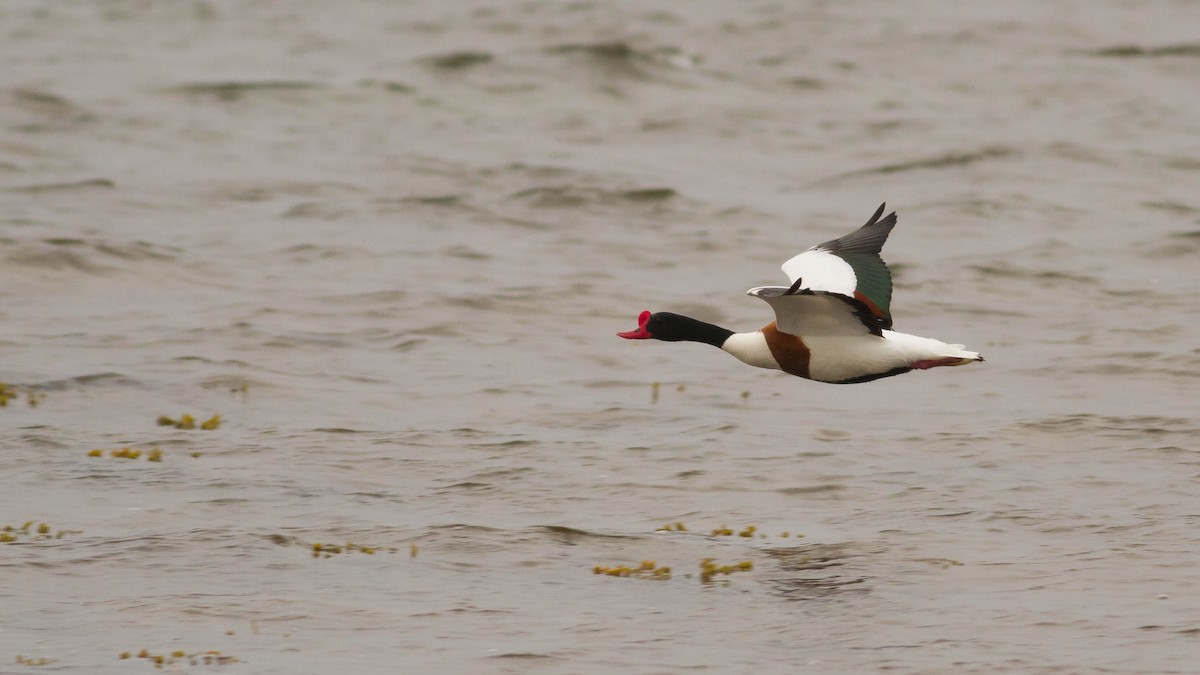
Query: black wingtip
[[878, 213], [867, 239], [888, 221]]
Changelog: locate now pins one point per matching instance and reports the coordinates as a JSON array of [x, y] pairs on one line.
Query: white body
[[839, 358], [836, 358]]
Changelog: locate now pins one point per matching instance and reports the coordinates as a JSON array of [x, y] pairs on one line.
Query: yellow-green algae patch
[[186, 421], [211, 657], [748, 532], [152, 455], [9, 393], [32, 531], [323, 550], [648, 569], [710, 569]]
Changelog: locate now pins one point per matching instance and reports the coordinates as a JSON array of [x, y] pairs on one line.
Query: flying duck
[[833, 324]]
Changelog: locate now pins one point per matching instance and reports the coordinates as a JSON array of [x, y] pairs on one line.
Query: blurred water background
[[389, 244]]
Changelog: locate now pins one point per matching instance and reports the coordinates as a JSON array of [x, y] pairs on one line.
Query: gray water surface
[[390, 245]]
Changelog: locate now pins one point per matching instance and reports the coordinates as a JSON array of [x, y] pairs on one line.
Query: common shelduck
[[833, 324]]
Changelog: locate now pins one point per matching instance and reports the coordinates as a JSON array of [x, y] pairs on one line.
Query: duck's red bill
[[639, 333]]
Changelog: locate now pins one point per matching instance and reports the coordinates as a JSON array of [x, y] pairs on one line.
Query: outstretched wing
[[851, 266], [805, 312]]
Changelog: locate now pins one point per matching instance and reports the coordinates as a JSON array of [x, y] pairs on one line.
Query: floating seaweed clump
[[186, 421], [211, 657], [154, 455], [329, 550], [38, 661], [8, 393], [320, 550], [27, 532], [647, 570], [749, 532], [709, 569]]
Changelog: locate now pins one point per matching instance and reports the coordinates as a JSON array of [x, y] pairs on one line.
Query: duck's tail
[[956, 355], [923, 353]]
